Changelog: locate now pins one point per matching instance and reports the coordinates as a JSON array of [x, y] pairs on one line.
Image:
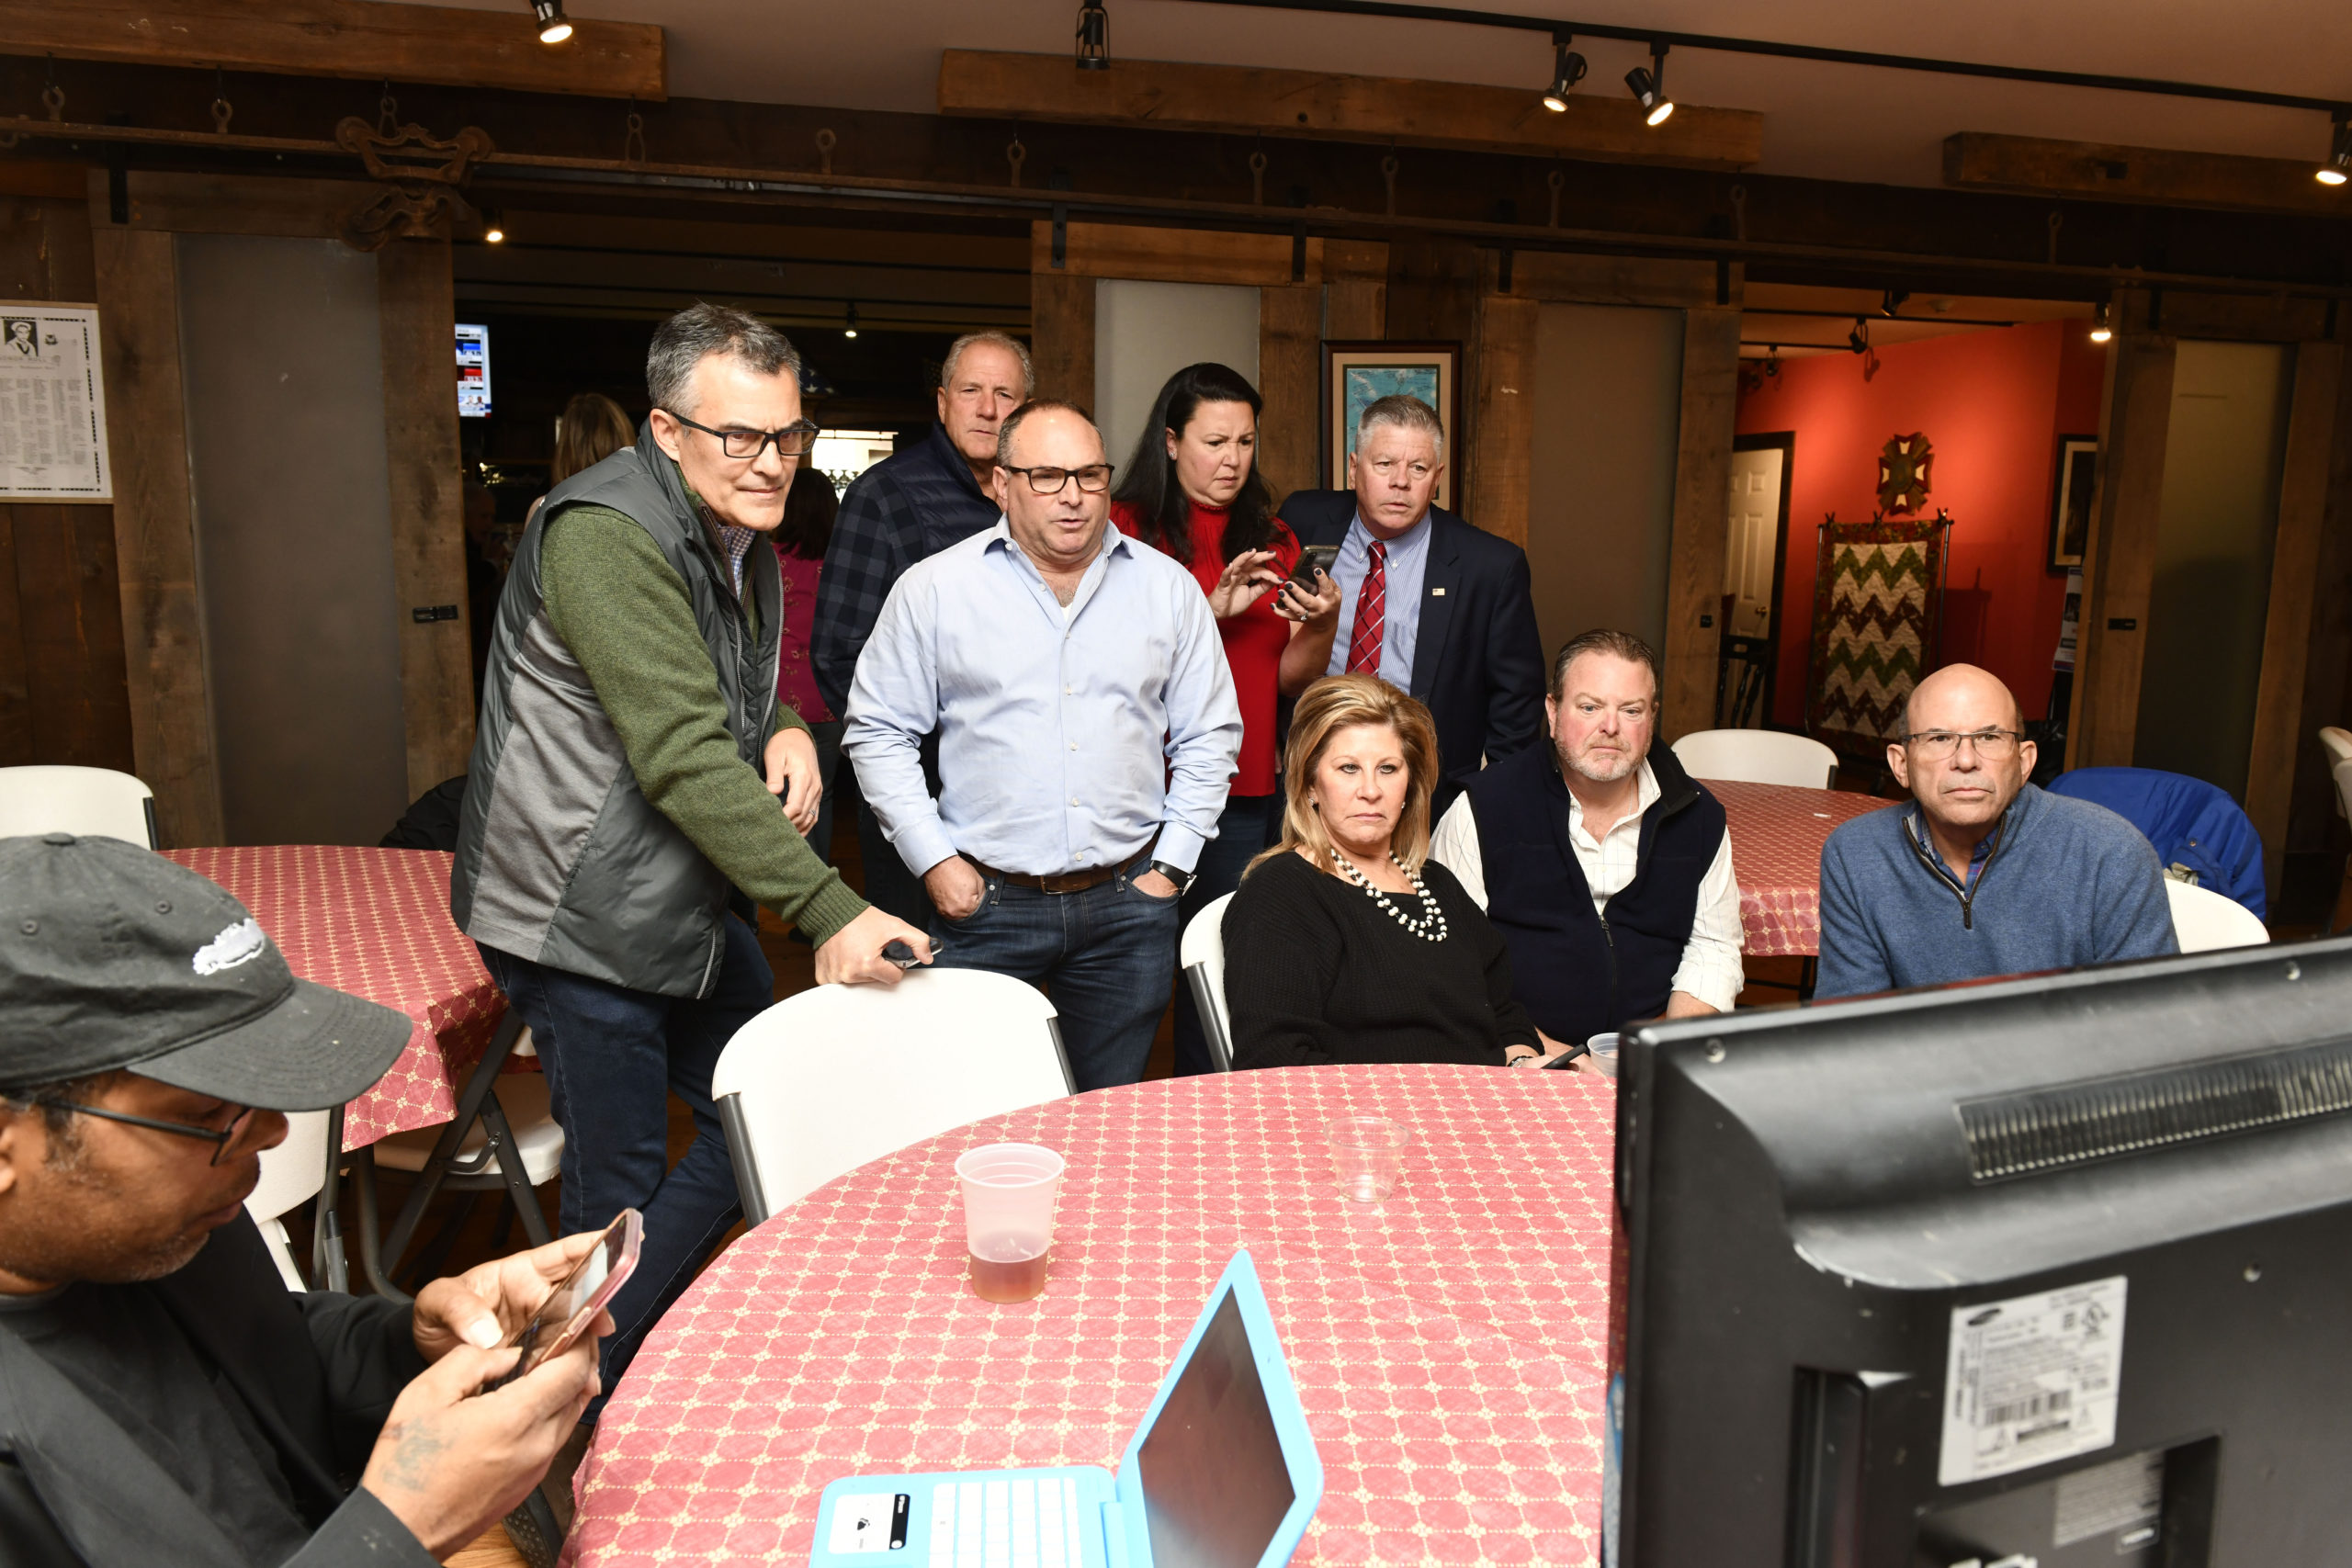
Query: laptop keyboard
[[1020, 1522]]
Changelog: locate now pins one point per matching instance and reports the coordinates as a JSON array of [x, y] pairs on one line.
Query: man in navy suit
[[1428, 601]]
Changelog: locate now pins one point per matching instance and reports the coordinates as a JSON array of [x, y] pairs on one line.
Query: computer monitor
[[2042, 1273]]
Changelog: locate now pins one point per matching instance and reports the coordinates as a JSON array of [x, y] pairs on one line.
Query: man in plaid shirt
[[909, 507]]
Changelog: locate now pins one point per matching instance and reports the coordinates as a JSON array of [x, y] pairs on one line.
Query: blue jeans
[[613, 1057], [1104, 956], [1251, 823]]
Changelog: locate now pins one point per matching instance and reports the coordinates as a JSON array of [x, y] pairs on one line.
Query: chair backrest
[[824, 1081], [93, 802], [1757, 756], [2202, 921], [2192, 823], [292, 1173], [2337, 744], [1201, 956]]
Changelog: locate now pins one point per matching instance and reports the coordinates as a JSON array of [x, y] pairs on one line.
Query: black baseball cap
[[112, 956]]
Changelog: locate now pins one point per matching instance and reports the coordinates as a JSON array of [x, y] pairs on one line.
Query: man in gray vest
[[622, 819]]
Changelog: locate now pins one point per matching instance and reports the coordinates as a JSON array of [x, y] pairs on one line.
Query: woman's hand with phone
[[489, 1304], [1298, 603]]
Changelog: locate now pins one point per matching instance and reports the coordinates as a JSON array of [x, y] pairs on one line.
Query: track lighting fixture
[[1859, 340], [2100, 329], [1568, 70], [850, 328], [1771, 359], [493, 232], [2338, 167], [1648, 87], [1892, 300], [554, 25], [1093, 36]]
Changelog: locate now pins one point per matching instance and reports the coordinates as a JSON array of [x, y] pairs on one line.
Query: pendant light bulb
[[1093, 36], [2338, 167], [849, 329], [2101, 330], [1568, 69], [554, 25], [493, 230]]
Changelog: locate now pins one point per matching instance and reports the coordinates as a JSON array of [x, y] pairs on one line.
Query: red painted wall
[[1992, 405]]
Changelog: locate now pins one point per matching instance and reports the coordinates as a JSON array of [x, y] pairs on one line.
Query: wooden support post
[[155, 524], [2294, 583], [1062, 335], [414, 295], [1491, 474], [1694, 579], [2120, 560], [1289, 327]]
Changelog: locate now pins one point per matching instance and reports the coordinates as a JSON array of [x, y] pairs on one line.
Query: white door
[[1755, 529]]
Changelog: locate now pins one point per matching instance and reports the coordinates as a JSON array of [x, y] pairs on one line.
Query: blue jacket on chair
[[2192, 824]]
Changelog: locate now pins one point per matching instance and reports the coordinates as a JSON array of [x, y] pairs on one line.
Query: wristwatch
[[1183, 879]]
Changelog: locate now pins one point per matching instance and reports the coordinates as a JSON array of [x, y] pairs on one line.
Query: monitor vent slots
[[2054, 1129]]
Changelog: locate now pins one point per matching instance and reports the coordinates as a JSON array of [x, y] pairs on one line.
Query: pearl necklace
[[1430, 927]]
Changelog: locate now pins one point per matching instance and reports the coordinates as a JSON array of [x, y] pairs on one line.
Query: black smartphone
[[1313, 558], [1568, 1057], [898, 952]]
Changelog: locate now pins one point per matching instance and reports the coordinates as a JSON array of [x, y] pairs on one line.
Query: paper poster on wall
[[473, 371], [52, 404]]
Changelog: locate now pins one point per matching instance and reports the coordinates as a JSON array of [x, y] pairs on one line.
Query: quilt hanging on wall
[[1877, 594]]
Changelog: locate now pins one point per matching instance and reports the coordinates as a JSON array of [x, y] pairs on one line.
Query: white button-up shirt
[[1710, 969]]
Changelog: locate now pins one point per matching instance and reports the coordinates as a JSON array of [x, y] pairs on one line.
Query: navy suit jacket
[[1477, 659]]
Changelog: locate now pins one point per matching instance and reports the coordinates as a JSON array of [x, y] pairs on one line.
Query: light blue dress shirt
[[1408, 560], [1067, 741]]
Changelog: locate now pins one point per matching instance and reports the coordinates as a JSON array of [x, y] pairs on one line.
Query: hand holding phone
[[572, 1305], [1295, 599]]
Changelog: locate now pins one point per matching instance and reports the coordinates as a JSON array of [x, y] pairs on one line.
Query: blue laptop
[[1222, 1474]]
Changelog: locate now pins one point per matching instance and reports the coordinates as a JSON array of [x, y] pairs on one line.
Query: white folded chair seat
[[524, 1097]]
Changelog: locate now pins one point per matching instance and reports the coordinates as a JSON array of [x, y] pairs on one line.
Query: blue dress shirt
[[1068, 740], [1400, 626]]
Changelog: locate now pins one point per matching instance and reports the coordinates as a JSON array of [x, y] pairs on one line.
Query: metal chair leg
[[329, 1267], [380, 1253]]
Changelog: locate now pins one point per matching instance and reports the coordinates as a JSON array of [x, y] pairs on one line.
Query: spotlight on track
[[1859, 340], [2338, 167], [2101, 330], [1891, 301], [1568, 69], [554, 25], [849, 328], [1648, 85], [1093, 38], [493, 230]]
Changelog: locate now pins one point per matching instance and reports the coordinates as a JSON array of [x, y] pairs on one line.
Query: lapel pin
[[1437, 593]]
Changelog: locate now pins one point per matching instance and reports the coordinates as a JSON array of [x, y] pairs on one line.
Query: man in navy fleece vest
[[1984, 875]]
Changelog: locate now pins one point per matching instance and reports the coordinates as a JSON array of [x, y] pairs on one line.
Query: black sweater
[[1315, 971]]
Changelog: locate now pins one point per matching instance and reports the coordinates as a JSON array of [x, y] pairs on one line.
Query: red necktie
[[1372, 599]]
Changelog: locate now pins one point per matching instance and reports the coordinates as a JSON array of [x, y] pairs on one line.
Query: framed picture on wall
[[2070, 502], [1356, 375]]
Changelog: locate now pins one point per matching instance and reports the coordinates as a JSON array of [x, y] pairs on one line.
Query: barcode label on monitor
[[2031, 1380]]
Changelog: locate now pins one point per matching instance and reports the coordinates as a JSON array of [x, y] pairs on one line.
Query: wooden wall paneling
[[1694, 576], [2312, 825], [441, 44], [1615, 280], [155, 525], [414, 288], [1355, 292], [206, 203], [1290, 360], [1396, 111], [2118, 567], [2294, 583], [1062, 335], [1491, 485], [1172, 256], [17, 743], [1982, 160]]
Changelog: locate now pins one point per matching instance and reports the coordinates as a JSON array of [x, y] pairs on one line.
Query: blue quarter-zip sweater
[[2058, 883]]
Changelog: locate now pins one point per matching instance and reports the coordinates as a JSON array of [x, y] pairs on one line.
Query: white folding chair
[[1757, 756], [1201, 957], [823, 1082], [90, 802], [2337, 744], [291, 1175], [2203, 920]]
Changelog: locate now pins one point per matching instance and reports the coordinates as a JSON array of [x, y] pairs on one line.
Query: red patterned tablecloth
[[1450, 1347], [376, 923], [1776, 836]]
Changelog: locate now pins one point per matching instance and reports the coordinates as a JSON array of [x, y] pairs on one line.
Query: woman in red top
[[1193, 490]]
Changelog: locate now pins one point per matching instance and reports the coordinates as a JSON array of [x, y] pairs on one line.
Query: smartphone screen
[[574, 1302], [1313, 558]]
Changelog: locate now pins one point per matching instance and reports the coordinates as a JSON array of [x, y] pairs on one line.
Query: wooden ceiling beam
[[1403, 111], [362, 39], [1976, 160]]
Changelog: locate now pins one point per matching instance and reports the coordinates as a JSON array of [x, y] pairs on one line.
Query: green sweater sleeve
[[628, 618]]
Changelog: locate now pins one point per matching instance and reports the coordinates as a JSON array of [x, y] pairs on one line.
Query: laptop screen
[[1216, 1486]]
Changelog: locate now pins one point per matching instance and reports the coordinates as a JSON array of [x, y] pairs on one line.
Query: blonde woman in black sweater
[[1345, 942]]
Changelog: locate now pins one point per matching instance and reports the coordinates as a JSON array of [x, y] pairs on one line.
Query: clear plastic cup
[[1367, 1156], [1604, 1053], [1009, 1192]]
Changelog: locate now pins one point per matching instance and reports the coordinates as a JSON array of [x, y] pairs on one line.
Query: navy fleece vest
[[1578, 973]]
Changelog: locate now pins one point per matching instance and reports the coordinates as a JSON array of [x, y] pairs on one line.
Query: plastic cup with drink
[[1367, 1156], [1009, 1193]]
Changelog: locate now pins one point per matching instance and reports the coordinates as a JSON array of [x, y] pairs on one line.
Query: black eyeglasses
[[1094, 479], [218, 1137], [792, 441]]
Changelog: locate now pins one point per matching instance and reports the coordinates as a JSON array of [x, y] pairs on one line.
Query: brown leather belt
[[1065, 882]]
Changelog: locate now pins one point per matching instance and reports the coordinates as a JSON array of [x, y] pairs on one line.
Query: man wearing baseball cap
[[163, 1398]]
